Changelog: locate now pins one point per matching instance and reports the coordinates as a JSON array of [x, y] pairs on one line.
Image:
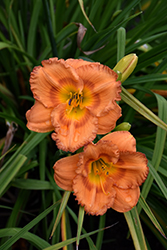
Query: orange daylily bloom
[[76, 99], [105, 175]]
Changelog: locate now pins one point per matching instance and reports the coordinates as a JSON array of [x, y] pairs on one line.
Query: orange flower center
[[75, 100], [101, 168], [99, 172]]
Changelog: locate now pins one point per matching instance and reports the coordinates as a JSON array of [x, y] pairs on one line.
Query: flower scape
[[77, 100]]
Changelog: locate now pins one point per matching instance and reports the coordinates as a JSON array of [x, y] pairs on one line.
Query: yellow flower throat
[[75, 100], [100, 170]]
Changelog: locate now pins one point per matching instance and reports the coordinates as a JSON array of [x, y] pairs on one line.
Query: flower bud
[[124, 126], [126, 66]]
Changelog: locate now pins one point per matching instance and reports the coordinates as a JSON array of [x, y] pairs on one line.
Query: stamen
[[95, 168], [75, 100], [69, 103], [106, 167], [100, 170]]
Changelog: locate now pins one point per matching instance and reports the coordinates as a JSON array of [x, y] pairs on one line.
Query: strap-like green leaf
[[8, 173], [61, 209], [136, 230], [150, 214], [142, 109], [69, 241], [157, 179], [25, 229], [80, 223], [159, 146], [32, 238]]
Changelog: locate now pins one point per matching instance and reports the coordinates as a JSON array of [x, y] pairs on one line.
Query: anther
[[69, 103]]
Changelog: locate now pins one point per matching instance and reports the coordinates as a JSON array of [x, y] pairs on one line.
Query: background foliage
[[31, 31]]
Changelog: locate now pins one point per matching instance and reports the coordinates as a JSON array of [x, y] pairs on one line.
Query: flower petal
[[52, 83], [107, 122], [125, 199], [39, 118], [123, 139], [76, 63], [64, 171], [100, 86], [74, 129], [102, 149], [131, 170], [91, 196]]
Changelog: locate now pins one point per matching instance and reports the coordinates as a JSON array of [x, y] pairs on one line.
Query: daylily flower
[[105, 175], [76, 99]]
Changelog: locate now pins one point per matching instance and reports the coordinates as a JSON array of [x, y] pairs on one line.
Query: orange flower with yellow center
[[106, 175], [76, 99]]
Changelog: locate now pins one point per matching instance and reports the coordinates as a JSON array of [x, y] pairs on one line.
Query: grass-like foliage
[[34, 212]]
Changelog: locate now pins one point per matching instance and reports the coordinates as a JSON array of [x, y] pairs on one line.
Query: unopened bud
[[126, 66], [124, 126]]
